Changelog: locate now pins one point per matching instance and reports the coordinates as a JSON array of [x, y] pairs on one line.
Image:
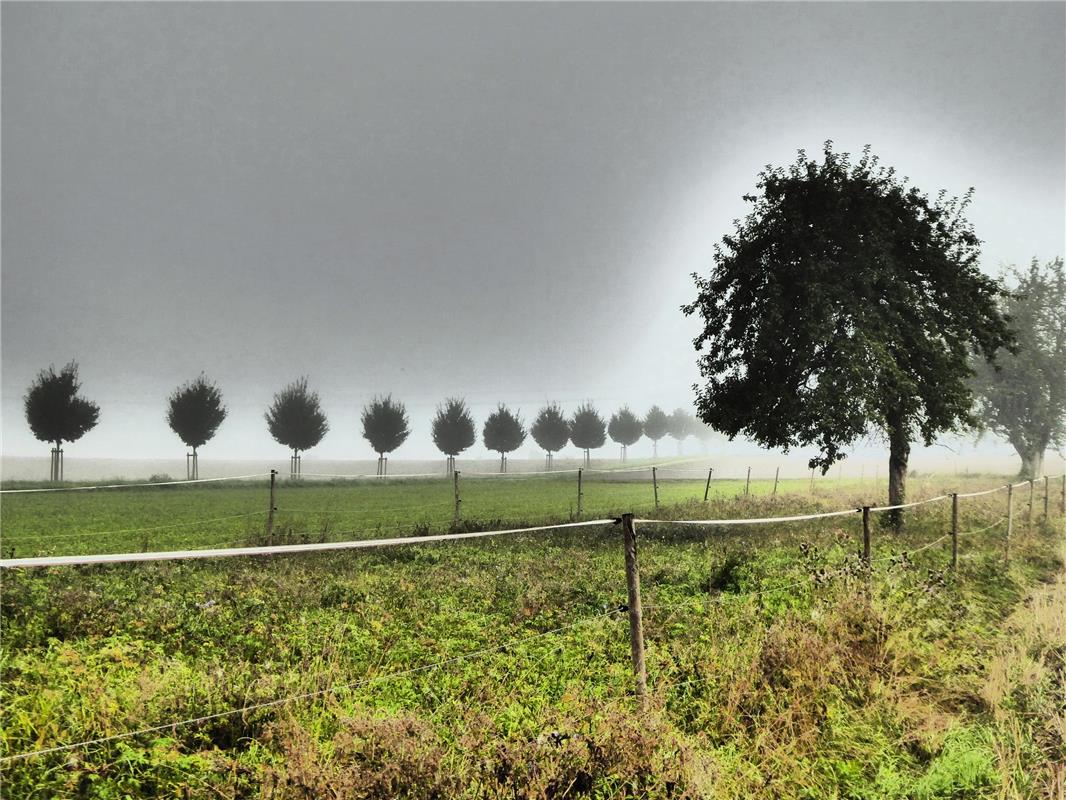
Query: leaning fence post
[[777, 475], [707, 488], [1010, 516], [655, 486], [580, 494], [1029, 513], [954, 531], [747, 483], [271, 509], [458, 501], [636, 621]]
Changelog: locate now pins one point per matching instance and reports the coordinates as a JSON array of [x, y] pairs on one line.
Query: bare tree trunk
[[899, 453], [503, 462], [1032, 462]]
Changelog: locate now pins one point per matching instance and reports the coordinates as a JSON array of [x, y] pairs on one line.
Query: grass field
[[500, 667]]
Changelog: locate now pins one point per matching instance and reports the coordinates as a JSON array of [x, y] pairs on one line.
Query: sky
[[498, 201]]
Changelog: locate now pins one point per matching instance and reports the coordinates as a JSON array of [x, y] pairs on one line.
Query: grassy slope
[[804, 692]]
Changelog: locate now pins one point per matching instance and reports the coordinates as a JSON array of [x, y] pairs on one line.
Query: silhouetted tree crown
[[625, 428], [195, 411], [54, 410], [1023, 397], [503, 431], [295, 418], [845, 300], [656, 424], [587, 429], [385, 424], [551, 430], [680, 424], [453, 427]]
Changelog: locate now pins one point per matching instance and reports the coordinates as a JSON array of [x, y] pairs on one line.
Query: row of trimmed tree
[[195, 410]]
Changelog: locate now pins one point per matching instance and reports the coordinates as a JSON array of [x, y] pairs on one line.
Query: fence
[[633, 608]]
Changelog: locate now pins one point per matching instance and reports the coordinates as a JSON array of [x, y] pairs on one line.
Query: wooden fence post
[[1010, 517], [271, 509], [707, 488], [1029, 513], [866, 536], [1062, 496], [747, 483], [458, 501], [655, 486], [954, 531], [636, 620], [777, 475], [580, 494]]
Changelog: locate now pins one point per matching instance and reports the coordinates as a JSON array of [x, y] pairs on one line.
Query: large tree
[[1022, 397], [681, 425], [296, 420], [385, 426], [656, 426], [845, 301], [453, 429], [56, 413], [503, 432], [195, 412], [625, 428], [550, 431], [587, 430]]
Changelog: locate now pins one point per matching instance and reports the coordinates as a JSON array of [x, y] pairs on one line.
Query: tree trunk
[[503, 462], [899, 453], [654, 448], [1032, 462]]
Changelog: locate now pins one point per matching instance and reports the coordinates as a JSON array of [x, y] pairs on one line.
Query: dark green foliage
[[656, 424], [54, 411], [385, 424], [625, 428], [844, 301], [195, 411], [453, 427], [1023, 397], [503, 431], [587, 429], [295, 418], [550, 429]]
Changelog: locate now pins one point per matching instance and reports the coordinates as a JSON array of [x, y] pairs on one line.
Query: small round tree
[[385, 427], [195, 412], [625, 429], [681, 425], [56, 413], [503, 432], [551, 431], [656, 426], [587, 430], [453, 429], [296, 420]]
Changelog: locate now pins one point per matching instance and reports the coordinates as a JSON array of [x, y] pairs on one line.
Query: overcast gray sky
[[498, 201]]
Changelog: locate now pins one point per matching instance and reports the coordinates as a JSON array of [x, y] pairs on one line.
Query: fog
[[501, 202]]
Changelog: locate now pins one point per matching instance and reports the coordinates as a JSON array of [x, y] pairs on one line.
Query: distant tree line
[[295, 419]]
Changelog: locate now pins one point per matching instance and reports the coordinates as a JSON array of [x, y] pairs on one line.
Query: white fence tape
[[758, 521], [133, 485]]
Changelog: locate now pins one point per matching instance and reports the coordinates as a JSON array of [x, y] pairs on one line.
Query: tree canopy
[[656, 424], [385, 424], [550, 429], [503, 431], [195, 411], [453, 427], [625, 427], [845, 301], [587, 429], [681, 424], [1023, 396], [295, 418], [54, 411]]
